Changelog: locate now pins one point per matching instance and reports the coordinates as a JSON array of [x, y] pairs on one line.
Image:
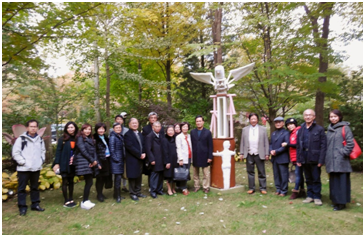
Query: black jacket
[[282, 153], [101, 155], [63, 155], [85, 154], [133, 153], [172, 156], [202, 147], [156, 150], [317, 145], [117, 153]]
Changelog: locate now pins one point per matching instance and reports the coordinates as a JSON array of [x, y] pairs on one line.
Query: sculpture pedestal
[[216, 166]]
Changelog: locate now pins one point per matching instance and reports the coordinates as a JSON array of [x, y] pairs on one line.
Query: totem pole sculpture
[[222, 121]]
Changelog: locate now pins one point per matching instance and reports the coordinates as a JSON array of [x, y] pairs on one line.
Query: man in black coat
[[156, 150], [135, 155], [202, 148], [153, 117], [280, 157], [311, 150]]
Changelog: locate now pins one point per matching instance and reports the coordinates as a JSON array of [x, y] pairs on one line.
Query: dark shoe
[[141, 195], [22, 212], [37, 208], [196, 190], [100, 198], [294, 195], [160, 193], [339, 207], [206, 190], [302, 193], [70, 204], [153, 195], [104, 197], [118, 200], [123, 198], [124, 189], [134, 197]]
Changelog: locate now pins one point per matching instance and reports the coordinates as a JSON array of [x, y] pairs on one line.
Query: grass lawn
[[236, 213]]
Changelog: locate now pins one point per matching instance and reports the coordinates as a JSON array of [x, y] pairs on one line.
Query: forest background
[[136, 57]]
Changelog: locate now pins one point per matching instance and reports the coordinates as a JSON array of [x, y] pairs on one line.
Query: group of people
[[308, 148], [126, 154]]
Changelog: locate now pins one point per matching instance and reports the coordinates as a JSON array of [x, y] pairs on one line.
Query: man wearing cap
[[311, 150], [280, 157], [298, 190], [254, 147]]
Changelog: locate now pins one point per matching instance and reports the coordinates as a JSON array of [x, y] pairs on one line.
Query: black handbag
[[109, 181], [292, 175], [181, 173]]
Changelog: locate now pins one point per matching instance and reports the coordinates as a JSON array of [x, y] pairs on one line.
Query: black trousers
[[135, 185], [339, 185], [23, 178], [156, 181], [250, 166]]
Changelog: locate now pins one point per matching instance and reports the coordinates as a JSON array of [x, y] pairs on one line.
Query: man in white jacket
[[29, 153]]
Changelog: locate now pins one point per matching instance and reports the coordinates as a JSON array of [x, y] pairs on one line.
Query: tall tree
[[324, 11], [281, 76]]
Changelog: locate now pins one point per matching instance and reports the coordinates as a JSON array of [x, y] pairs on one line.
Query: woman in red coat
[[298, 191]]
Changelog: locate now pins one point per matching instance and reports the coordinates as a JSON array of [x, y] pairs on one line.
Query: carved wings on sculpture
[[239, 73], [235, 73], [203, 77]]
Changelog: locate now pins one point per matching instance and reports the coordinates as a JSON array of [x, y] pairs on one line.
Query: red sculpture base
[[216, 166]]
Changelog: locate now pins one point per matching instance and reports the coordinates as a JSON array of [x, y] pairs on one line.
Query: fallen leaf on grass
[[177, 223], [221, 221], [137, 231], [220, 199], [163, 225], [290, 202], [264, 231], [201, 213], [264, 206], [358, 204], [182, 208]]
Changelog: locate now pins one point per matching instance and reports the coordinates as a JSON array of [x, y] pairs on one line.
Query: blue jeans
[[299, 182], [313, 183], [281, 177]]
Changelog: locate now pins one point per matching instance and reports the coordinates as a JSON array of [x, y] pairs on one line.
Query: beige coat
[[263, 144]]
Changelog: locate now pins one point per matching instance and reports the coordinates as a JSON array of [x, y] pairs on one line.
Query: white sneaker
[[87, 205], [91, 203]]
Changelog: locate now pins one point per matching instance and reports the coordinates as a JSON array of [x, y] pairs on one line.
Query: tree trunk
[[140, 86], [168, 80], [217, 35], [48, 144], [322, 44], [97, 87], [272, 115], [168, 62], [108, 78], [202, 57]]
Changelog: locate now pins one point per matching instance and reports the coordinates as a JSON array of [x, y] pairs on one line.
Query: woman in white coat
[[184, 151]]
